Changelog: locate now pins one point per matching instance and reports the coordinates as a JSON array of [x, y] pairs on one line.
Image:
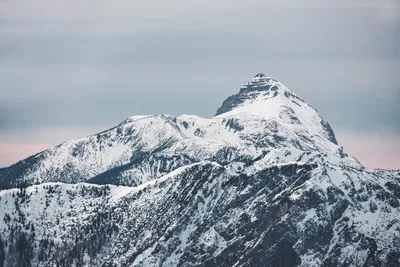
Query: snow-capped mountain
[[262, 183], [263, 116]]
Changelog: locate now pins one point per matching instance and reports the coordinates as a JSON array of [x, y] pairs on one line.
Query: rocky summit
[[262, 183]]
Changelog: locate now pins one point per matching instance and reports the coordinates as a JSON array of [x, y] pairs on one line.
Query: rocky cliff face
[[263, 183]]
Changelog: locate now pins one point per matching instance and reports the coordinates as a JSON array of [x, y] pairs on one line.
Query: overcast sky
[[70, 68]]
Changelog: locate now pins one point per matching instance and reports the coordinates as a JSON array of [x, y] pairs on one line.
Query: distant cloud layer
[[373, 149], [12, 153], [70, 68], [156, 9], [17, 146]]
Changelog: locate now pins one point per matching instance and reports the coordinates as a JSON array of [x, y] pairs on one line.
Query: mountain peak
[[268, 99], [260, 85], [259, 76]]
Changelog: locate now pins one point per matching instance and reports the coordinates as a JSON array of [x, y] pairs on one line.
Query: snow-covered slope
[[205, 214], [263, 183]]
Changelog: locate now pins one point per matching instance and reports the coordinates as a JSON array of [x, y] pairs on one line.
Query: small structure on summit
[[259, 76]]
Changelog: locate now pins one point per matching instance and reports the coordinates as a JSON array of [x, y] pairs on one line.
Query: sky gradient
[[73, 68]]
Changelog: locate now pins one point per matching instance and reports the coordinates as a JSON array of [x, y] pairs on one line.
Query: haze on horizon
[[73, 68]]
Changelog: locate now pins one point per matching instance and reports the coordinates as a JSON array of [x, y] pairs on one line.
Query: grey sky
[[85, 65]]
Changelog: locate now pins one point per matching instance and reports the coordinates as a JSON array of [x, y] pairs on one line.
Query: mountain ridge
[[226, 133]]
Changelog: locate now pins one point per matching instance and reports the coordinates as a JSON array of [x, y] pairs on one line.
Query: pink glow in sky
[[12, 153], [377, 150]]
